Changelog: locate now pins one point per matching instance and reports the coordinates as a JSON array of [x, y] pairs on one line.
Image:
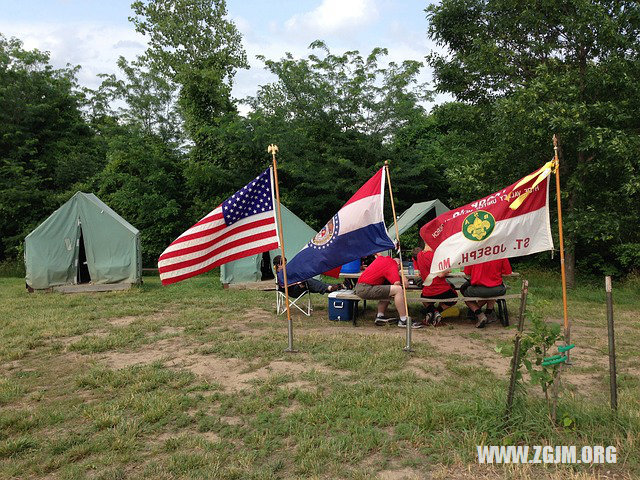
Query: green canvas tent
[[258, 267], [425, 211], [83, 241]]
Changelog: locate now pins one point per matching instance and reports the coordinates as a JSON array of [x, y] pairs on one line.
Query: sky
[[94, 33]]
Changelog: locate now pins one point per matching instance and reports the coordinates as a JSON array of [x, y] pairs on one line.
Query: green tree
[[46, 146], [149, 99], [200, 50], [537, 68], [336, 118], [143, 181]]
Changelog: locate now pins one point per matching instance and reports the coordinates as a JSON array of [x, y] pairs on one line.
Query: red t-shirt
[[488, 274], [381, 269], [439, 284]]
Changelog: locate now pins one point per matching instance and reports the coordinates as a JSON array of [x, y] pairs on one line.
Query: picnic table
[[455, 278]]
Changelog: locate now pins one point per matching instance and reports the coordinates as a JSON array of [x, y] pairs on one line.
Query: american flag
[[243, 225]]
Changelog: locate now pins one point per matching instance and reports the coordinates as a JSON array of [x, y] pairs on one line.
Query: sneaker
[[381, 321], [414, 324], [481, 320], [491, 316], [437, 318], [428, 318]]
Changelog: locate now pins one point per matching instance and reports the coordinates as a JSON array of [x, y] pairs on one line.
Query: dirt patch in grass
[[403, 474], [232, 420], [256, 314], [171, 330], [170, 350], [417, 366], [454, 342], [209, 436], [129, 319], [231, 373], [123, 321]]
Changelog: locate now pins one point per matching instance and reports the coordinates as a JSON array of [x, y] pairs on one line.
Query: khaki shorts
[[373, 292]]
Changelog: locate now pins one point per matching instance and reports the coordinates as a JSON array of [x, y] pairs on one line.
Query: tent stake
[[613, 383]]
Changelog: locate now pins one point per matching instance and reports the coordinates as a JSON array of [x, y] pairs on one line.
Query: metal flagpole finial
[[556, 160], [272, 149]]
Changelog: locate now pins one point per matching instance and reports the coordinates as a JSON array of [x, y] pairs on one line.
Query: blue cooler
[[341, 309], [351, 267]]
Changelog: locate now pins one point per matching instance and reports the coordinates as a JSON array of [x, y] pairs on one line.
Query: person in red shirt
[[380, 281], [439, 288], [485, 281]]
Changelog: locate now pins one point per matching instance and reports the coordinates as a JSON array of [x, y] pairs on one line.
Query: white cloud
[[95, 47], [333, 16]]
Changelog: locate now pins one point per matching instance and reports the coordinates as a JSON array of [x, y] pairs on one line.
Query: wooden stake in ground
[[407, 347], [613, 383], [567, 327], [273, 149], [515, 361]]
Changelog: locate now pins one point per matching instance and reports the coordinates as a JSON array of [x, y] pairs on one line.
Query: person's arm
[[506, 267], [467, 271], [392, 275]]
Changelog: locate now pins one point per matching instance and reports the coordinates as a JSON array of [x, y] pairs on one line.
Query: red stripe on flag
[[196, 235], [213, 253], [230, 258], [211, 242], [212, 218], [205, 245], [372, 187]]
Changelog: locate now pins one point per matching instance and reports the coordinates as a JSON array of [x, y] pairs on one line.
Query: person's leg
[[429, 306], [482, 291], [382, 307], [398, 300], [489, 312], [430, 309], [473, 306], [295, 290], [316, 286]]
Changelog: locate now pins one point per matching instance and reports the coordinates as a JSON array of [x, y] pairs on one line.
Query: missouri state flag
[[357, 230], [509, 223], [244, 224]]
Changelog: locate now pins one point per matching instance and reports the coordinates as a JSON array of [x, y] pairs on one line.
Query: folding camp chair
[[302, 301]]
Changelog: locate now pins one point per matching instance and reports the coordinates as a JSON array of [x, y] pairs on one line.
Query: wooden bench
[[501, 302]]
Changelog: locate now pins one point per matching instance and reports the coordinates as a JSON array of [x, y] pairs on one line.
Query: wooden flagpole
[[273, 149], [407, 347], [567, 327]]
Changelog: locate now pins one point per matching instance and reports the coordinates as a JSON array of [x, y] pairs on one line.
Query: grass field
[[191, 381]]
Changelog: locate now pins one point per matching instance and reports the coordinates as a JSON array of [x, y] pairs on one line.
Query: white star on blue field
[[250, 200]]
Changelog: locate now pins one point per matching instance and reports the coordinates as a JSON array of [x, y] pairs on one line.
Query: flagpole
[[407, 347], [567, 327], [273, 149]]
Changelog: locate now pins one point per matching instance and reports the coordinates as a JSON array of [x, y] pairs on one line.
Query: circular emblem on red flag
[[478, 225]]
